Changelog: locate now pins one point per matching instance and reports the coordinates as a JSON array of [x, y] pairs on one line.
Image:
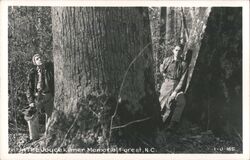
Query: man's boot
[[33, 125], [172, 126], [179, 107], [177, 112]]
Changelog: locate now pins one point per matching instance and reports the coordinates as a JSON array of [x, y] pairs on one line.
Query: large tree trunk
[[219, 74], [98, 72], [193, 43]]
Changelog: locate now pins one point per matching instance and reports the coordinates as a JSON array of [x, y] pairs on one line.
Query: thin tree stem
[[132, 122], [121, 87]]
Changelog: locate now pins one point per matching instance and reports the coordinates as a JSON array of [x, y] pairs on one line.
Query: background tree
[[157, 29], [103, 68]]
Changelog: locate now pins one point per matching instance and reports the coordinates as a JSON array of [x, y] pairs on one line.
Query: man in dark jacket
[[40, 94]]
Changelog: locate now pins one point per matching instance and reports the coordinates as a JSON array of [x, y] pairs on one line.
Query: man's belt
[[173, 79], [41, 93]]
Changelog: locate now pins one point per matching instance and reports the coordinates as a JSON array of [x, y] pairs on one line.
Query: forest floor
[[189, 138]]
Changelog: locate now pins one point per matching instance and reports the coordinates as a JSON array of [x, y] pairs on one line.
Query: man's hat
[[33, 58]]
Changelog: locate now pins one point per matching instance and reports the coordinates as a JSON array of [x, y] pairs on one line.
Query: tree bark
[[103, 67], [196, 35], [219, 74]]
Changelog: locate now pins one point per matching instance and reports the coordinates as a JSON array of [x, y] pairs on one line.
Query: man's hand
[[172, 97], [161, 68], [32, 105]]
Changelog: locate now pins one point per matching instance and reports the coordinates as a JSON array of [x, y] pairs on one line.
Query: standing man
[[171, 95], [40, 94]]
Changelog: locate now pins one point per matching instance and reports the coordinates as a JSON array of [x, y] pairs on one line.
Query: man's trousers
[[44, 104]]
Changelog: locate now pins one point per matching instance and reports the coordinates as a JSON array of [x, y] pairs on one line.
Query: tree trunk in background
[[163, 21], [156, 27], [173, 27], [93, 48], [179, 22], [218, 74]]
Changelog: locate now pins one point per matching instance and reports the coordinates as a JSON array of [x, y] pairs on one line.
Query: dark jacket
[[33, 79]]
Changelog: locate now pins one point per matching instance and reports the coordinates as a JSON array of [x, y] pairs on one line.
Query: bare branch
[[121, 87], [132, 122], [69, 130], [94, 113]]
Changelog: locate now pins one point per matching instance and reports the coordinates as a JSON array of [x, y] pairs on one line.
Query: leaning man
[[40, 94], [171, 96]]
